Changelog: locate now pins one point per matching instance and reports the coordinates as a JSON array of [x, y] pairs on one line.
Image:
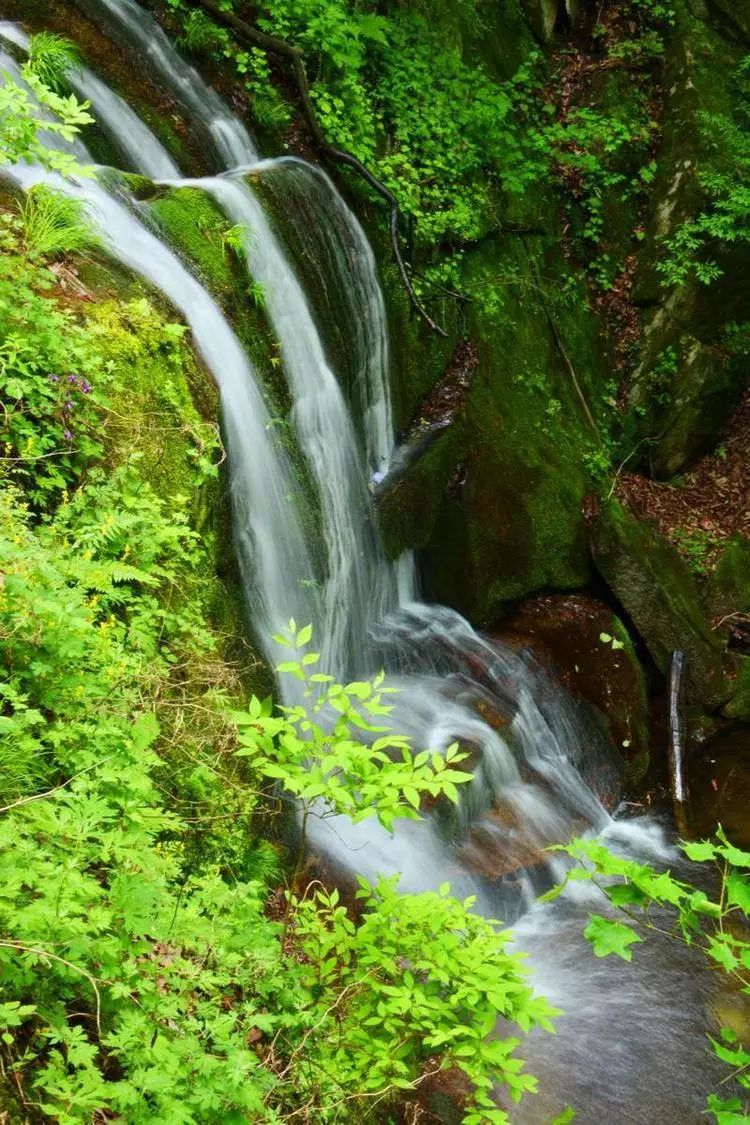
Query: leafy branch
[[296, 57]]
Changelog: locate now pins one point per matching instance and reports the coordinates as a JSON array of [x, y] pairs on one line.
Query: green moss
[[163, 407], [659, 593], [738, 706], [728, 589], [163, 412], [196, 226], [495, 503]]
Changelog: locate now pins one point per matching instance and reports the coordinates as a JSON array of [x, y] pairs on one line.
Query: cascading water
[[228, 136], [343, 274], [531, 755], [360, 585]]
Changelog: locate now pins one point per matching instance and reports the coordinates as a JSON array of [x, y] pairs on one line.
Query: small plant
[[54, 223], [28, 110], [52, 57], [335, 755], [697, 547]]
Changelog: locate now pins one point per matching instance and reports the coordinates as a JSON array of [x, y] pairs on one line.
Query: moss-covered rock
[[658, 592], [728, 588], [683, 416], [494, 504]]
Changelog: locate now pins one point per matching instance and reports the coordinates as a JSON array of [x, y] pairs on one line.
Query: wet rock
[[719, 785], [659, 593], [493, 503], [543, 15], [564, 633], [702, 391]]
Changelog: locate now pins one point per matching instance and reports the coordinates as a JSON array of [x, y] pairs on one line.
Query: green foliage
[[446, 137], [589, 150], [697, 546], [52, 57], [332, 761], [423, 982], [30, 110], [139, 986], [693, 251], [54, 223], [50, 380], [645, 897]]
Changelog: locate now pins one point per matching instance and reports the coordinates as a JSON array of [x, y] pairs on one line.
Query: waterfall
[[367, 613], [138, 30], [344, 277], [532, 757]]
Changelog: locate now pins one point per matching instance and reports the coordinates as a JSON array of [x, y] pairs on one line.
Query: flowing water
[[537, 766]]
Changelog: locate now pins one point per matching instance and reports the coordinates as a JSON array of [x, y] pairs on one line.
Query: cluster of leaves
[[446, 137], [34, 108], [423, 982], [355, 774], [51, 380], [645, 899], [695, 249], [138, 985], [593, 155]]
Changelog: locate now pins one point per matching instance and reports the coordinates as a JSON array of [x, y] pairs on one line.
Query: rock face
[[719, 785], [589, 650], [658, 592], [493, 504], [686, 379]]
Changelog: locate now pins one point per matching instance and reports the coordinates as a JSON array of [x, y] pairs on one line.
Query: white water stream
[[532, 764]]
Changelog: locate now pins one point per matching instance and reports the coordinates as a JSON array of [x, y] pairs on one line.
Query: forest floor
[[707, 504]]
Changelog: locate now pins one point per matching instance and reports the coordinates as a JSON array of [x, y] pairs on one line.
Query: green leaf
[[608, 936], [304, 636], [699, 851], [738, 891]]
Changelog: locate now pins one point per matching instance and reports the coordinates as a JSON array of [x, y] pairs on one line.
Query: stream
[[630, 1044]]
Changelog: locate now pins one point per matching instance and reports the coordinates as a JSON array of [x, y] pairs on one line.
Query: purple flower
[[85, 387], [54, 378], [67, 435], [68, 404]]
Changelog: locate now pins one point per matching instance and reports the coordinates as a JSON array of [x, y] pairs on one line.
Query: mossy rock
[[728, 588], [658, 592], [685, 420], [543, 16], [738, 706], [705, 387], [163, 406], [495, 504]]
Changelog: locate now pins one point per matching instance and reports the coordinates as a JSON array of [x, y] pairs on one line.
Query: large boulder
[[687, 379], [659, 593], [588, 649], [493, 503]]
